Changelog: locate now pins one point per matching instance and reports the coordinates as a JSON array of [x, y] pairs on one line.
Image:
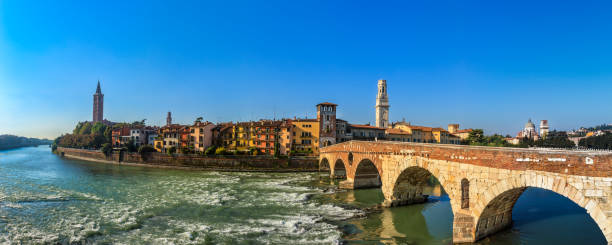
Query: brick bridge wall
[[493, 179]]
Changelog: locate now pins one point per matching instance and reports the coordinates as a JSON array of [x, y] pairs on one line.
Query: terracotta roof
[[306, 120], [397, 131], [365, 126], [327, 103], [464, 131]]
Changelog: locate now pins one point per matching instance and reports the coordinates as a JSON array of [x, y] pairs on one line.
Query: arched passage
[[339, 170], [409, 187], [366, 175], [497, 214], [324, 165]]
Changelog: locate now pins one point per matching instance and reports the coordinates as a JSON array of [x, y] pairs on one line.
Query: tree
[[555, 139], [85, 129], [131, 146], [476, 137], [107, 149], [597, 142], [210, 150], [199, 120], [98, 128], [171, 151]]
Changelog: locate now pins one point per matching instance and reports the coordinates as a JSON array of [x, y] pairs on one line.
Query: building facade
[[382, 105], [305, 133], [98, 105], [201, 134]]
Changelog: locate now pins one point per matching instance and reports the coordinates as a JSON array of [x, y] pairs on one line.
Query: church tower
[[169, 119], [98, 105], [382, 105]]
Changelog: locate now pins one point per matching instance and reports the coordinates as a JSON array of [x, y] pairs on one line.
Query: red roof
[[366, 126], [327, 103], [397, 131]]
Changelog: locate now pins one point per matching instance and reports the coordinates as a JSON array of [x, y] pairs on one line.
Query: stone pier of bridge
[[483, 183]]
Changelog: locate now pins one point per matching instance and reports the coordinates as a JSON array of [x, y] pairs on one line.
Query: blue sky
[[483, 64]]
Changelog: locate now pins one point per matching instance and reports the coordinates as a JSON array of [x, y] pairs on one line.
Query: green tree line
[[12, 141]]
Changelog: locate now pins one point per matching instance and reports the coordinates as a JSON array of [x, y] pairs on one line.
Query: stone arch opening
[[324, 166], [339, 170], [414, 185], [366, 175], [499, 214]]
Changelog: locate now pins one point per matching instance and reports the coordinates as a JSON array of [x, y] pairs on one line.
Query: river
[[47, 199]]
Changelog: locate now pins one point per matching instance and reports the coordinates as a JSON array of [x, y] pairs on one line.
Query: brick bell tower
[[98, 105], [326, 115]]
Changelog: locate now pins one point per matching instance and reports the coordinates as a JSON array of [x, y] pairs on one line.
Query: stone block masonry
[[483, 183]]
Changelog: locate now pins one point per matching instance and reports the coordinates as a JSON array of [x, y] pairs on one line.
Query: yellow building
[[462, 134], [305, 133], [244, 136], [421, 134]]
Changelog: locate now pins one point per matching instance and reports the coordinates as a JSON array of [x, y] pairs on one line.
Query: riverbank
[[197, 162]]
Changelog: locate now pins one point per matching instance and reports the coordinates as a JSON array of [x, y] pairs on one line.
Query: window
[[465, 194]]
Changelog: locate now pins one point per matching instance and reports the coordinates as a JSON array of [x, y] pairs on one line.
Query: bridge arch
[[339, 169], [408, 186], [366, 175], [324, 165], [493, 212]]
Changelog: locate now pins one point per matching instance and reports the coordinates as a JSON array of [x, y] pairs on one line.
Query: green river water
[[45, 199]]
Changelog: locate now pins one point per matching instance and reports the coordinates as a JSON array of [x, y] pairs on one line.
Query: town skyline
[[308, 114], [246, 61]]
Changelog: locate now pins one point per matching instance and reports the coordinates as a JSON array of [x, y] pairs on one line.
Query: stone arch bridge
[[483, 183]]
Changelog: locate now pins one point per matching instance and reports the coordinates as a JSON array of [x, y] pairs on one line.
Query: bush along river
[[45, 199]]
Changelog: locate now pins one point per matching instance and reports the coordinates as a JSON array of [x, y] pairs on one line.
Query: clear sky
[[483, 64]]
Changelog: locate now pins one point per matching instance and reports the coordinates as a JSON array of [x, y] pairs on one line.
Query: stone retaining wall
[[229, 163]]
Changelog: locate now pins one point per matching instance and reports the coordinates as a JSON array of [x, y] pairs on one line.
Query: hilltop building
[[98, 105], [461, 133], [529, 131], [382, 105]]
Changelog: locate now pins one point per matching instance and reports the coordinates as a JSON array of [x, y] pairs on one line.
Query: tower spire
[[98, 90]]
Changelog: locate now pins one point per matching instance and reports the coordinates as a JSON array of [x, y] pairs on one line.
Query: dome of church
[[529, 124]]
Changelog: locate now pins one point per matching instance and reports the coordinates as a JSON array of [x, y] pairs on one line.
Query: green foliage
[[555, 139], [146, 149], [12, 141], [98, 129], [220, 151], [107, 149], [131, 146], [210, 150], [477, 137], [199, 119], [597, 142], [53, 147], [86, 129], [171, 151], [80, 141], [186, 150], [276, 149]]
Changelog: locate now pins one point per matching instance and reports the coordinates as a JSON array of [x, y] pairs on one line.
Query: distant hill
[[12, 141]]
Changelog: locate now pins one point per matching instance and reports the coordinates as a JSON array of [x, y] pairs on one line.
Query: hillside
[[12, 141]]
